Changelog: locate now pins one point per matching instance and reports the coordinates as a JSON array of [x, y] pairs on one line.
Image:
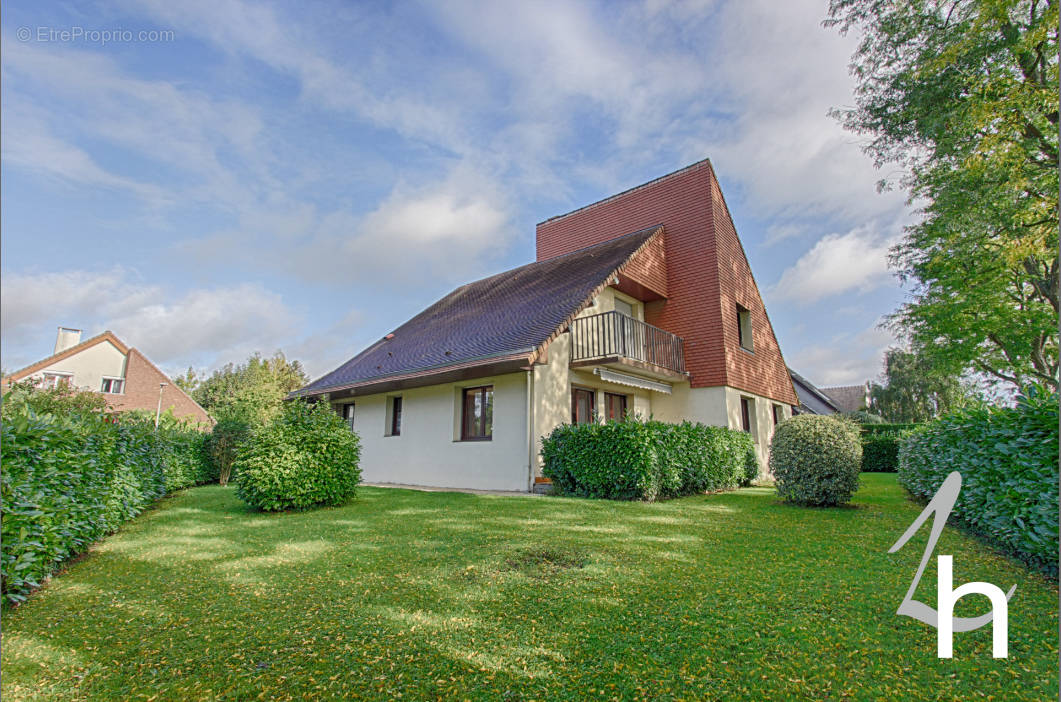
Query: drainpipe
[[530, 429]]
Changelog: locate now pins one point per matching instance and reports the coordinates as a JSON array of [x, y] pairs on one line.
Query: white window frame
[[113, 380], [54, 377]]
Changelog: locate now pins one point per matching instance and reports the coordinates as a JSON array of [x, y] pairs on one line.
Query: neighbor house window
[[615, 406], [582, 406], [394, 416], [477, 416], [746, 414], [744, 328], [347, 413], [54, 380], [112, 385], [778, 415]]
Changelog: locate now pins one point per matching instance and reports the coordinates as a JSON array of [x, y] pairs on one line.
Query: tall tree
[[963, 94], [914, 390], [250, 392]]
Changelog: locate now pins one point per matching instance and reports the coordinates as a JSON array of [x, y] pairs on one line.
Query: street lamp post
[[158, 412]]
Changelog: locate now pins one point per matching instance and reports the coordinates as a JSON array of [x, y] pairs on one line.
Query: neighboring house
[[642, 303], [106, 365], [849, 398], [811, 399]]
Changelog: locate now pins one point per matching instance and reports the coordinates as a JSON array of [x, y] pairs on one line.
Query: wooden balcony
[[619, 341]]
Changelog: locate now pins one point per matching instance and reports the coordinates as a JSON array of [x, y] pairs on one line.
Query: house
[[105, 364], [641, 303], [811, 399], [849, 398]]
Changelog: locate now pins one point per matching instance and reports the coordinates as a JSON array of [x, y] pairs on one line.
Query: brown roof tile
[[507, 314]]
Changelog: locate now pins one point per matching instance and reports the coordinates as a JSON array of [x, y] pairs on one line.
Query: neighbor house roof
[[66, 353], [811, 399], [849, 398], [501, 321]]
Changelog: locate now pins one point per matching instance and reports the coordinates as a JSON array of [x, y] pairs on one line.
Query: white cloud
[[202, 326], [445, 231], [837, 263], [207, 146], [847, 359]]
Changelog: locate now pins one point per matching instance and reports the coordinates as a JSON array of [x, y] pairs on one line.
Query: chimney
[[66, 338]]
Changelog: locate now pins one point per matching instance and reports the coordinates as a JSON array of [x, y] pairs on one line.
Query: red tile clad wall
[[707, 275]]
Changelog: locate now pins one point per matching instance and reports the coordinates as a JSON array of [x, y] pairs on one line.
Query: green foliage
[[880, 446], [1008, 460], [251, 392], [306, 457], [63, 399], [863, 417], [646, 460], [816, 460], [69, 479], [222, 446], [916, 390], [964, 96]]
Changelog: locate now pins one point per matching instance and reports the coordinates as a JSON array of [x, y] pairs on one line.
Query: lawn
[[413, 595]]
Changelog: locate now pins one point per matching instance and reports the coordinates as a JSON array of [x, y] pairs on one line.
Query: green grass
[[443, 595]]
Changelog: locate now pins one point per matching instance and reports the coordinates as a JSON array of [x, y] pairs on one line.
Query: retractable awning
[[632, 380]]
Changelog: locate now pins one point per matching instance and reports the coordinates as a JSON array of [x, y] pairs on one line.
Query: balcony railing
[[613, 334]]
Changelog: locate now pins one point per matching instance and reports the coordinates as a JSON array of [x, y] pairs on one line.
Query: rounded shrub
[[305, 457], [816, 460]]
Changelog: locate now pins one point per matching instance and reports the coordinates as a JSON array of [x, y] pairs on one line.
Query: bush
[[70, 479], [880, 453], [880, 446], [222, 446], [305, 457], [645, 460], [816, 459], [1008, 460]]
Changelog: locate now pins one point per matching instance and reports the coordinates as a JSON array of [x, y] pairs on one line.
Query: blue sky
[[307, 176]]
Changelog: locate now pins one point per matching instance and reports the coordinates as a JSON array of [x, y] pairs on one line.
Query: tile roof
[[811, 399], [508, 314], [849, 398]]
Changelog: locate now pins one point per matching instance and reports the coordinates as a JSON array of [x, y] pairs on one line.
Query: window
[[347, 413], [746, 414], [394, 416], [54, 380], [624, 307], [744, 328], [477, 414], [778, 415], [113, 385], [582, 406], [615, 406]]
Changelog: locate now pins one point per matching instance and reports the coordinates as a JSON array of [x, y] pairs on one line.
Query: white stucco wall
[[90, 366], [428, 450]]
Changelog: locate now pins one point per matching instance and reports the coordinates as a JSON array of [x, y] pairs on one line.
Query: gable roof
[[67, 353], [508, 316], [849, 398], [810, 397]]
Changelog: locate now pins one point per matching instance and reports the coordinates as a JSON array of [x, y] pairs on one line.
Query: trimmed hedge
[[1008, 460], [305, 457], [816, 459], [636, 459], [880, 446], [68, 480]]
